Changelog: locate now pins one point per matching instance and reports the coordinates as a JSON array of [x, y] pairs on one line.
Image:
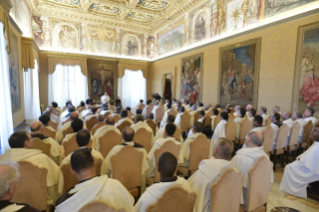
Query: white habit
[[161, 134], [186, 148], [219, 132]]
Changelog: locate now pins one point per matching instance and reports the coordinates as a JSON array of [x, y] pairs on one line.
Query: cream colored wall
[[19, 116], [43, 79], [277, 63]]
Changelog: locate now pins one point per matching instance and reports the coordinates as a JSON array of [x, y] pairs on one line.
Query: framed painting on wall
[[14, 74], [239, 71], [101, 79], [306, 78], [191, 78]]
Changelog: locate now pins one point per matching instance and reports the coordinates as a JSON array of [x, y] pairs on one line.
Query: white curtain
[[67, 83], [31, 94], [132, 88], [6, 124]]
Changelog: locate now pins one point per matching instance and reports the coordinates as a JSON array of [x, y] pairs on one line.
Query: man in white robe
[[213, 118], [169, 132], [237, 109], [21, 145], [251, 114], [86, 112], [297, 117], [240, 118], [178, 116], [286, 116], [161, 132], [200, 106], [105, 98], [37, 132], [258, 127], [105, 109], [219, 131], [59, 136], [91, 187], [209, 171], [248, 107], [124, 118], [167, 165], [192, 113], [64, 118], [82, 139], [92, 115], [246, 157], [276, 124], [169, 109], [304, 170], [150, 105], [45, 119], [139, 123], [128, 135], [308, 115], [201, 120], [140, 105], [263, 113]]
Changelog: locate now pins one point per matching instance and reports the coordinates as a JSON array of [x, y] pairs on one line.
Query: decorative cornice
[[133, 62], [67, 56], [15, 25], [6, 5]]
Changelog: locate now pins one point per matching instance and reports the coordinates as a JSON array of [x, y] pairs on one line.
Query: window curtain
[[132, 88], [6, 124], [31, 94], [67, 83]]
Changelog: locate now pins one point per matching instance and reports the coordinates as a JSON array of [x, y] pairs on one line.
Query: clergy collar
[[132, 143], [38, 135], [167, 181], [82, 181]]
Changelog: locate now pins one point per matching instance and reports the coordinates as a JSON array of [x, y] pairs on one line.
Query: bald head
[[74, 115], [128, 134], [110, 120], [167, 164], [248, 107], [286, 115], [100, 118], [36, 127], [254, 139]]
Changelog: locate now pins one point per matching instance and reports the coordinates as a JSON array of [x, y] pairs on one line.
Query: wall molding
[[15, 25]]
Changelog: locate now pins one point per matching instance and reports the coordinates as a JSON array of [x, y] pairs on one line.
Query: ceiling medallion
[[97, 8]]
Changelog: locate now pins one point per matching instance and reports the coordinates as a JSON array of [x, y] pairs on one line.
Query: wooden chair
[[199, 150], [112, 108], [77, 108], [168, 146], [144, 137], [66, 121], [159, 114], [67, 131], [269, 137], [106, 114], [98, 206], [172, 112], [227, 186], [174, 199], [99, 110], [117, 117], [185, 119], [177, 134], [81, 109], [280, 144], [231, 116], [217, 120], [268, 121], [152, 125], [91, 122], [207, 121], [149, 109], [41, 145], [97, 126], [122, 169], [245, 128], [108, 141], [313, 138], [293, 140], [55, 112], [123, 125], [31, 188], [230, 130], [196, 116], [49, 133], [306, 136], [53, 124], [141, 107], [71, 145], [259, 185]]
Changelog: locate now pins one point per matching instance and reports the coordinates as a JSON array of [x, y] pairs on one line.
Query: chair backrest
[[177, 134], [144, 137], [117, 117], [152, 125], [294, 134], [172, 112], [207, 121], [196, 116], [185, 119], [98, 206], [68, 177], [112, 108], [269, 136], [67, 131], [174, 199], [159, 113], [268, 121], [230, 130], [99, 110], [49, 133], [245, 127], [149, 108], [231, 116], [53, 124], [31, 188], [217, 120], [168, 146], [91, 122], [128, 162], [43, 146], [81, 109], [108, 141], [199, 150], [227, 186], [71, 145], [259, 183], [66, 121], [97, 126], [123, 125], [106, 114], [282, 136], [56, 112], [307, 132], [141, 106]]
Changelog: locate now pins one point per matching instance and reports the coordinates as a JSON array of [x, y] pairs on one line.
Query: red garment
[[109, 91], [310, 88], [193, 97]]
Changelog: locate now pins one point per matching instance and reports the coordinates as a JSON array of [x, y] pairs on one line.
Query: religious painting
[[200, 25], [21, 13], [101, 40], [239, 70], [172, 39], [41, 31], [101, 79], [150, 52], [66, 36], [273, 7], [14, 74], [191, 78], [131, 45], [306, 78]]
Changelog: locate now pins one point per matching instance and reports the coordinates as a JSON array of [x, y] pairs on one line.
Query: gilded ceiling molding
[[67, 3], [104, 9], [14, 24], [133, 62], [67, 56], [6, 5]]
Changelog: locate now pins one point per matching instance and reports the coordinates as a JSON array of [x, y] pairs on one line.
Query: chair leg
[[275, 159], [295, 153], [288, 153], [283, 160]]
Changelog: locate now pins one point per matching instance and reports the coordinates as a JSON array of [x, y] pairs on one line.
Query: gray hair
[[225, 147], [256, 139], [10, 176], [276, 109]]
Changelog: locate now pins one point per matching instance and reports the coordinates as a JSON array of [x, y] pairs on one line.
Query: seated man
[[276, 109], [105, 98], [104, 109], [286, 116], [237, 109], [219, 131], [140, 105], [196, 131], [82, 139], [148, 105], [70, 110], [208, 172], [56, 106], [138, 111], [59, 135], [129, 113], [124, 118], [200, 106], [308, 115], [240, 118], [139, 123], [297, 117], [169, 108], [81, 107], [9, 177], [213, 117], [178, 117], [86, 112], [53, 118], [276, 124], [304, 170], [117, 111], [128, 135], [21, 144], [251, 114], [161, 132], [37, 132], [109, 121], [66, 108], [257, 124], [150, 117], [90, 115], [169, 132], [201, 116], [246, 157], [167, 165], [45, 120], [263, 113], [91, 187], [248, 107]]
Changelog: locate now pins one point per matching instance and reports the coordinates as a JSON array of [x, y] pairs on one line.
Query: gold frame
[[299, 52], [257, 42]]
